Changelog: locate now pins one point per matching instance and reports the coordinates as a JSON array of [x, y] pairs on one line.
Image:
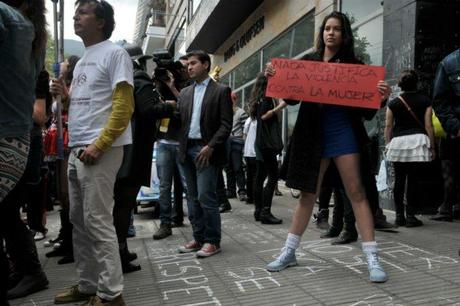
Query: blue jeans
[[202, 199], [167, 159]]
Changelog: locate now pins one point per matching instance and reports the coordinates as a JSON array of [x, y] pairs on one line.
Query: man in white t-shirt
[[101, 105]]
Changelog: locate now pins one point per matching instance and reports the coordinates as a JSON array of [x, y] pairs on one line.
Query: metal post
[[58, 58], [61, 30]]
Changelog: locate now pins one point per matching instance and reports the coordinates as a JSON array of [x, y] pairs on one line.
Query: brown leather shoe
[[97, 301], [71, 295], [207, 250], [190, 247]]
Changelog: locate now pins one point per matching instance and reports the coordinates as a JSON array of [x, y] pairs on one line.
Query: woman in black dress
[[409, 140], [325, 133]]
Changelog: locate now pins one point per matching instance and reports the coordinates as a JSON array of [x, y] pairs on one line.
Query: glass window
[[247, 71], [281, 47], [180, 39], [192, 8], [304, 35], [369, 40], [359, 10], [157, 11], [239, 97], [246, 95], [196, 4], [367, 26], [226, 79]]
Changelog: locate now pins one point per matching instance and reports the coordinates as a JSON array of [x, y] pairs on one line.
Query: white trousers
[[95, 242]]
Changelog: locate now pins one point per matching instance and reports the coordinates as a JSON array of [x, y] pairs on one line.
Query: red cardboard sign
[[329, 83]]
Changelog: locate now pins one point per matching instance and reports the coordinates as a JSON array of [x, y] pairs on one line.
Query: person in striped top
[[234, 170]]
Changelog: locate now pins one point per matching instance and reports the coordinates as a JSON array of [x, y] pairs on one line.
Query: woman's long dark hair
[[35, 11], [257, 94], [347, 50], [72, 60]]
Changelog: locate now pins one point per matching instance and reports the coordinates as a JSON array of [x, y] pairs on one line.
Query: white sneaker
[[285, 260], [376, 272], [39, 236]]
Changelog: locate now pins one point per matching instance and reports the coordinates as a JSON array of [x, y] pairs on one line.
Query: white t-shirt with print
[[250, 130], [96, 75]]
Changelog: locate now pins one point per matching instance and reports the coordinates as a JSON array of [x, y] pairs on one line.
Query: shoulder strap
[[410, 111]]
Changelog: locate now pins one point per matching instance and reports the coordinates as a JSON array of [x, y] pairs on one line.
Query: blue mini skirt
[[337, 132]]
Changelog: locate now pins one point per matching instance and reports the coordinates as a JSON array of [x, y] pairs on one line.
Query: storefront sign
[[255, 29], [329, 83]]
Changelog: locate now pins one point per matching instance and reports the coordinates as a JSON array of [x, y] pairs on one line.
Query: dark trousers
[[410, 171], [449, 153], [324, 197], [4, 271], [451, 178], [343, 216], [221, 192], [263, 196], [33, 185], [178, 206], [368, 181], [65, 232], [125, 201], [20, 243], [234, 169], [36, 208], [251, 169]]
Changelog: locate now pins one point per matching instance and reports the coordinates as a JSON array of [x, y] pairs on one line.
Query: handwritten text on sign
[[330, 83]]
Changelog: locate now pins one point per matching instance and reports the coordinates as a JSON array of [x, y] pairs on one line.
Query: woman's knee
[[307, 199], [356, 193]]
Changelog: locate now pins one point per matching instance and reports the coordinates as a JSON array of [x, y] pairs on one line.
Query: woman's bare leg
[[300, 221], [348, 167], [307, 200]]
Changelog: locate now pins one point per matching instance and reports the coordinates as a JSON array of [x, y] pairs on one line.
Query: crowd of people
[[113, 113]]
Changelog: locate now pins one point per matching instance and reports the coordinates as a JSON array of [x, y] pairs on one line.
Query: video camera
[[165, 62]]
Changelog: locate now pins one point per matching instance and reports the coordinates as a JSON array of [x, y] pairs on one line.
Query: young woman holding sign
[[325, 133]]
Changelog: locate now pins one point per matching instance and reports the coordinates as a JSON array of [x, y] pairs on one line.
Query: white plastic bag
[[381, 178]]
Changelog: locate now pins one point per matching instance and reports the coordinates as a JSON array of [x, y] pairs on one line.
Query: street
[[422, 263]]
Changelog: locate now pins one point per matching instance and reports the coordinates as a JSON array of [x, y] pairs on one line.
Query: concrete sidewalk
[[422, 263]]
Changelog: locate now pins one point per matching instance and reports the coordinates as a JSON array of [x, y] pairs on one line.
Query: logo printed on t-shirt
[[79, 80]]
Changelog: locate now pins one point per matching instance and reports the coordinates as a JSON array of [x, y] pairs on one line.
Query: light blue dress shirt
[[200, 89]]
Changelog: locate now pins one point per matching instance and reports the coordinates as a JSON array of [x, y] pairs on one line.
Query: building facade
[[142, 16], [150, 28]]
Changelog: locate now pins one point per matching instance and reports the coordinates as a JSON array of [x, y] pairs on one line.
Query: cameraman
[[137, 160], [170, 77]]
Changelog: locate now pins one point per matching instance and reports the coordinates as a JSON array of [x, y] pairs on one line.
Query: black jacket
[[215, 121], [305, 147], [268, 136], [135, 169]]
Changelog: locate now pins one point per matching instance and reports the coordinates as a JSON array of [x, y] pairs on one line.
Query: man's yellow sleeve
[[122, 110]]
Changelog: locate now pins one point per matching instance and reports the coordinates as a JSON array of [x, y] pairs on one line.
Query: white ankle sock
[[369, 246], [292, 241]]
